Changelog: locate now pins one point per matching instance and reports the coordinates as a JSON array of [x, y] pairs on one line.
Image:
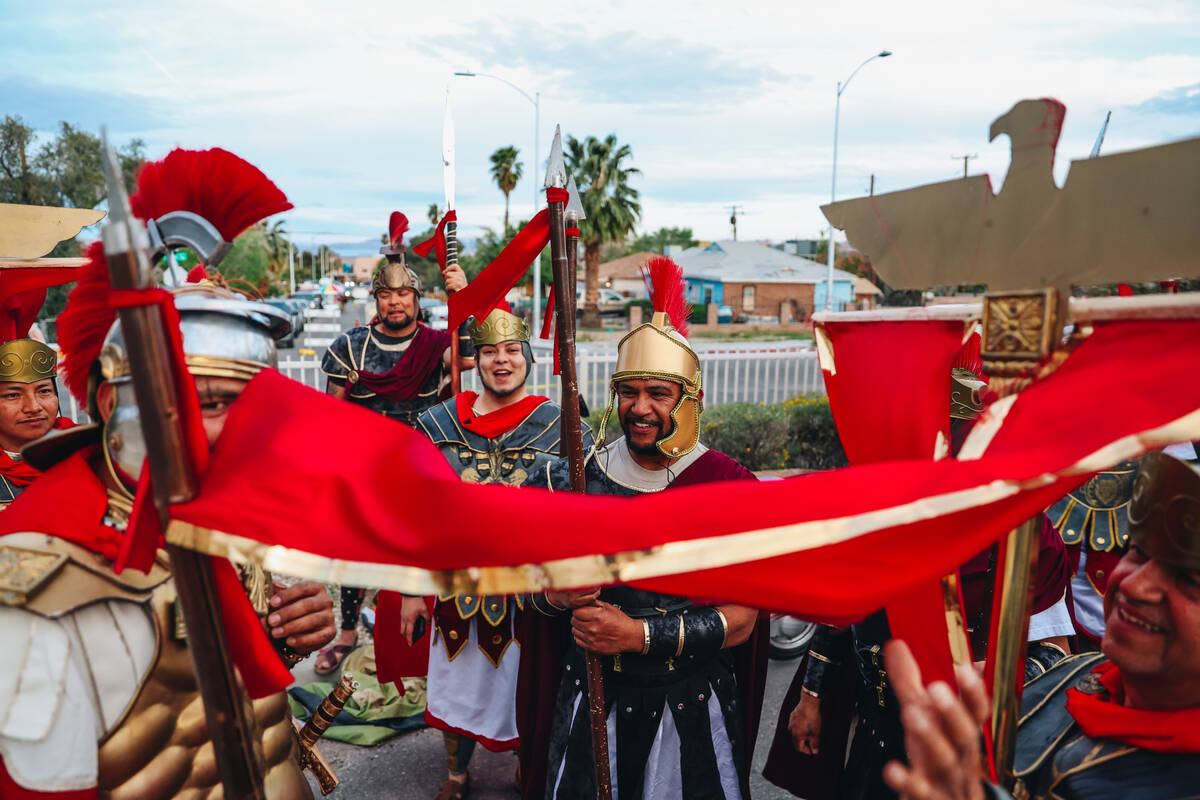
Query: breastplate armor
[[509, 458], [161, 748], [1055, 759], [356, 351]]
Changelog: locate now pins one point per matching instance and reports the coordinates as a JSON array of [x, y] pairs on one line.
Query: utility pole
[[291, 268], [733, 215], [965, 159], [872, 191]]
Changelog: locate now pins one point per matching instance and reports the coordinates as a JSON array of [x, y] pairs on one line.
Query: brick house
[[764, 284]]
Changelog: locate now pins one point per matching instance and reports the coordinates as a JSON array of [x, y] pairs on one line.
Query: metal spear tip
[[118, 200], [556, 170], [574, 209]]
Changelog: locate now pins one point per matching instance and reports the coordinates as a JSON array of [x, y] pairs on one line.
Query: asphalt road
[[412, 766]]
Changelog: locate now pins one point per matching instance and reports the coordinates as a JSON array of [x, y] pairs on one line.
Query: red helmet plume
[[397, 227], [224, 189], [664, 280], [969, 357], [85, 321]]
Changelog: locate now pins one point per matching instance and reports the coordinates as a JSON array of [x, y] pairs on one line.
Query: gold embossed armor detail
[[499, 326], [161, 748], [26, 361]]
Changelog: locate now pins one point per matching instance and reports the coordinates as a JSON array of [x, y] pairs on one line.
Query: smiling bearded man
[[1122, 724], [499, 436], [683, 677]]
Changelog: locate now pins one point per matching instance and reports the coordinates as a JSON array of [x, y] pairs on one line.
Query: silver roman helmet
[[224, 336]]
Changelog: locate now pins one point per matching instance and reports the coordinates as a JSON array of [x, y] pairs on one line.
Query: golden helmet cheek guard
[[656, 350], [1164, 514]]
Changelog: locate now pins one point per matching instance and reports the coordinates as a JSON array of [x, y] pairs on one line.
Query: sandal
[[338, 653], [452, 790]]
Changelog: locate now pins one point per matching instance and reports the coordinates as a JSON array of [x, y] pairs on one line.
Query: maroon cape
[[404, 380], [545, 641]]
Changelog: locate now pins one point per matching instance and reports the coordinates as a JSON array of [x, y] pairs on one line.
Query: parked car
[[435, 313], [312, 298], [790, 636], [299, 305], [290, 339]]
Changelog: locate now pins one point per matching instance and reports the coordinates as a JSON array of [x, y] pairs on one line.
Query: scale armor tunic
[[472, 668], [364, 349]]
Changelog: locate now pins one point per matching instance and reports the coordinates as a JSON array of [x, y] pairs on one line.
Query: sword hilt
[[330, 707]]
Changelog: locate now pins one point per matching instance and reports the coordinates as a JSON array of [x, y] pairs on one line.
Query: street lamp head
[[884, 53], [467, 74]]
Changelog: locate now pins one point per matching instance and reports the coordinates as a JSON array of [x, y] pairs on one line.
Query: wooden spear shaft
[[225, 703], [452, 261], [572, 441]]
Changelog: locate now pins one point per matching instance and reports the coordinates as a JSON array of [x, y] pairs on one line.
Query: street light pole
[[837, 110], [536, 99]]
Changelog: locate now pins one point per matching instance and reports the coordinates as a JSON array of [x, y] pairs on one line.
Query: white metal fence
[[752, 372]]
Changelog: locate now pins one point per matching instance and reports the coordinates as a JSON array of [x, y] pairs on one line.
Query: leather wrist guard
[[665, 633], [704, 632], [466, 348], [825, 654]]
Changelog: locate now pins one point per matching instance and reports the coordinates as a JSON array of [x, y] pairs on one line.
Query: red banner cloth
[[490, 286], [889, 391], [22, 293], [395, 658], [437, 242], [1103, 715], [830, 546]]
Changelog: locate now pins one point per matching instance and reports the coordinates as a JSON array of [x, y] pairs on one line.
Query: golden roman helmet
[[499, 326], [1164, 514], [659, 349], [396, 275], [27, 361]]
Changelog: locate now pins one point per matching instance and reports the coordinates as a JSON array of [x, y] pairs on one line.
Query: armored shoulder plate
[[52, 577], [1095, 514], [1044, 718]]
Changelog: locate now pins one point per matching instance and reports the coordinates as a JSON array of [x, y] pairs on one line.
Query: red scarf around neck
[[498, 422], [1103, 715], [22, 473]]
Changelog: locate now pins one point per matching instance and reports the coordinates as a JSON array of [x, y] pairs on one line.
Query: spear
[[174, 480], [451, 232], [572, 434], [573, 214]]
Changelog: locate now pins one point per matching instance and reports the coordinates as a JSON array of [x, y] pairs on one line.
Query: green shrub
[[756, 435], [813, 441]]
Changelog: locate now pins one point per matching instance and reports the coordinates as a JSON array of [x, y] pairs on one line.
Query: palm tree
[[506, 171], [609, 203]]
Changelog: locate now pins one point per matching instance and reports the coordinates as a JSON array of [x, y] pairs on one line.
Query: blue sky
[[723, 103]]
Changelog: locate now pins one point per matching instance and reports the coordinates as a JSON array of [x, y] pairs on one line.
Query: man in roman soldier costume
[[397, 366], [498, 436], [29, 407], [682, 677], [1121, 723], [98, 686]]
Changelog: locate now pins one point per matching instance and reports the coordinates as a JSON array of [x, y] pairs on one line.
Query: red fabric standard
[[22, 293], [913, 359], [898, 526], [404, 380], [490, 286], [22, 473], [498, 422], [1103, 716], [396, 659], [437, 242], [11, 790]]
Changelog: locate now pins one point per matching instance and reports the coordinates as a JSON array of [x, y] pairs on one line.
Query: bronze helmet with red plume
[[659, 349]]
